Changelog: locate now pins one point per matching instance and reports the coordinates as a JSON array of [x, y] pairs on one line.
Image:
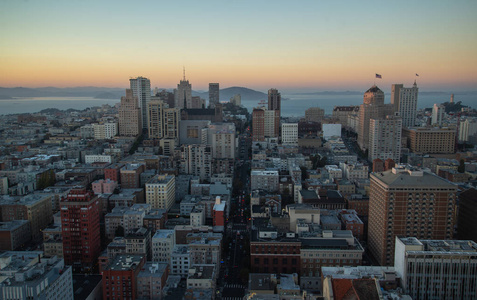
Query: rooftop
[[125, 262]]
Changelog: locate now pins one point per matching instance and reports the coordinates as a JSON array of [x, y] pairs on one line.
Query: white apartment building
[[354, 171], [438, 112], [163, 243], [180, 259], [94, 158], [197, 216], [290, 133], [467, 128], [437, 269], [160, 191], [105, 131], [197, 160]]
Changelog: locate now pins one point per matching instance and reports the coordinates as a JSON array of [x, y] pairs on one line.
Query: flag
[[378, 76], [417, 75]]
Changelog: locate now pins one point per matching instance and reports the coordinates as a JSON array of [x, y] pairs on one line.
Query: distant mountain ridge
[[117, 93]]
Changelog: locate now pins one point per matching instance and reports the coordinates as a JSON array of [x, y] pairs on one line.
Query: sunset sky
[[319, 45]]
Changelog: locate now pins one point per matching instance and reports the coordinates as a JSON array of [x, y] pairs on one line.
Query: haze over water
[[294, 106]]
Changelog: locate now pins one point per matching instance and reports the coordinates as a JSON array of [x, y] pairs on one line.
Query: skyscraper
[[385, 138], [408, 202], [274, 100], [373, 107], [183, 94], [156, 119], [405, 102], [213, 94], [80, 212], [141, 88], [129, 115]]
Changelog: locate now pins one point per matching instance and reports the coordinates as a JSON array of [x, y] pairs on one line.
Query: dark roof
[[374, 89], [324, 243], [200, 111], [83, 285]]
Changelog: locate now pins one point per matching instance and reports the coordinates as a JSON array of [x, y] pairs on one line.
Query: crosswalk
[[234, 286]]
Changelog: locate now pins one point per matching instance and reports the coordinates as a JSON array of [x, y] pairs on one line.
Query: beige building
[[425, 140], [160, 191], [408, 202], [373, 107], [130, 123], [342, 113], [314, 114]]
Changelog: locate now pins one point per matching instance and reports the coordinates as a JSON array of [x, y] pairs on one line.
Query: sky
[[291, 45]]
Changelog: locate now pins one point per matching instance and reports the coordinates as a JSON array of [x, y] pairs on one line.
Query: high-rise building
[[161, 191], [213, 94], [130, 115], [341, 113], [405, 102], [271, 123], [156, 119], [172, 117], [80, 213], [274, 100], [183, 94], [258, 124], [385, 138], [438, 111], [141, 88], [466, 225], [373, 107], [408, 202], [314, 114], [436, 269], [197, 160], [222, 139]]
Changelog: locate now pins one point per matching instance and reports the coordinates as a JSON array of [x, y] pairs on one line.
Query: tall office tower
[[183, 94], [274, 100], [213, 94], [405, 102], [160, 191], [466, 225], [258, 124], [314, 114], [290, 133], [156, 119], [141, 88], [373, 107], [80, 213], [438, 111], [436, 269], [408, 202], [385, 138], [129, 115], [172, 117]]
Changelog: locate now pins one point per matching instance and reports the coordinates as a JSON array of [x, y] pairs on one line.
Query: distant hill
[[88, 91]]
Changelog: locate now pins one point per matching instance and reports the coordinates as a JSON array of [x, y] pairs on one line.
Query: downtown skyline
[[307, 45]]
